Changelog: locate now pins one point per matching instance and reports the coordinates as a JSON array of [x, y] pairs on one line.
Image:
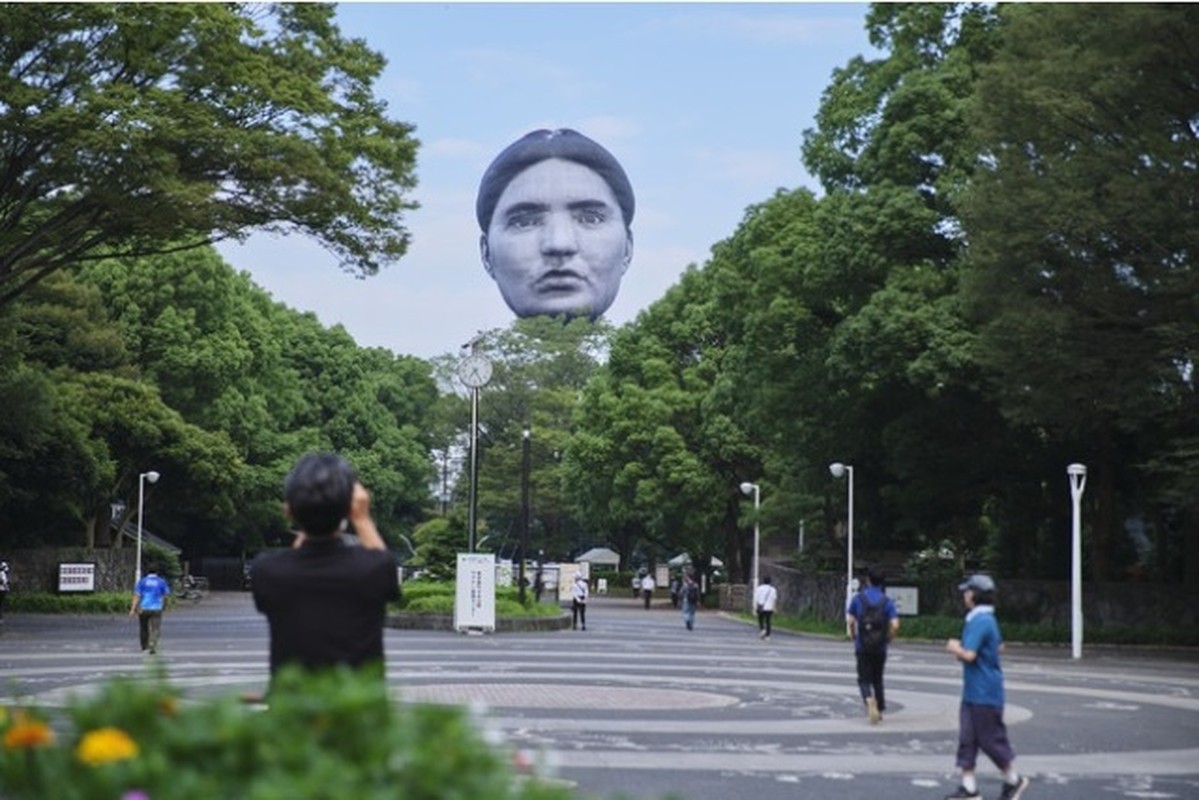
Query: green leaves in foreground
[[333, 735]]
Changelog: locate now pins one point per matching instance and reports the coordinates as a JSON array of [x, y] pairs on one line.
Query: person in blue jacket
[[980, 718], [149, 600], [872, 621]]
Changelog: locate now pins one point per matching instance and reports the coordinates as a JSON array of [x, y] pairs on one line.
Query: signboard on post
[[474, 596], [76, 576], [906, 598], [566, 579]]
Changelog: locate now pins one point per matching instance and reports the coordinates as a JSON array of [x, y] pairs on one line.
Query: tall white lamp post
[[747, 489], [152, 477], [1078, 483], [838, 470]]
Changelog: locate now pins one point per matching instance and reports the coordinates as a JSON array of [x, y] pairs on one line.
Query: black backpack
[[873, 624]]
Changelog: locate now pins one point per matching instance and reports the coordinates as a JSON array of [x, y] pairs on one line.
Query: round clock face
[[474, 371]]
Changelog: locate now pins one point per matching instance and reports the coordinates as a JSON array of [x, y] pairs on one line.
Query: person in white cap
[[980, 718], [578, 604]]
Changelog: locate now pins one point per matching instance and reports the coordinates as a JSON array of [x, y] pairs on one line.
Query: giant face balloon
[[555, 210]]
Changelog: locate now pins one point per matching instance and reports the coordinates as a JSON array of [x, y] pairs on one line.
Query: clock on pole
[[474, 371]]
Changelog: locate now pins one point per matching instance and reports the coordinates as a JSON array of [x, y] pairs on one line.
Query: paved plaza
[[639, 707]]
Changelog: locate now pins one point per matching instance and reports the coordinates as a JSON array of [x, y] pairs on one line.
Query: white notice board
[[474, 595], [906, 598]]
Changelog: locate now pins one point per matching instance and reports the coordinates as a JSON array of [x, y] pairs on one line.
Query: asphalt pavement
[[636, 706]]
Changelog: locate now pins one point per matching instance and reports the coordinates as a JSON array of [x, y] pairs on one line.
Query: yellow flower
[[105, 745], [27, 733]]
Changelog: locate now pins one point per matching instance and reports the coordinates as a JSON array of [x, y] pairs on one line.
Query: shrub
[[45, 603], [415, 590], [431, 604], [324, 736]]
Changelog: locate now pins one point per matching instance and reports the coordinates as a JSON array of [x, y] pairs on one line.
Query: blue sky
[[704, 104]]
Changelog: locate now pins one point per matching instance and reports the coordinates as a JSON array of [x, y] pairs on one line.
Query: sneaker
[[1014, 791], [964, 794], [761, 634], [872, 710]]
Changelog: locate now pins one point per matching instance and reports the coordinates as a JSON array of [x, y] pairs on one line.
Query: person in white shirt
[[765, 597], [578, 605], [647, 589]]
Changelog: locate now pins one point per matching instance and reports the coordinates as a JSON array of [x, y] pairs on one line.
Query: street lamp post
[[748, 488], [524, 509], [1078, 483], [152, 477], [837, 469]]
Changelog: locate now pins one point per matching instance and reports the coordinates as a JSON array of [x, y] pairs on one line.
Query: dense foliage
[[334, 735], [178, 364], [134, 129], [998, 280]]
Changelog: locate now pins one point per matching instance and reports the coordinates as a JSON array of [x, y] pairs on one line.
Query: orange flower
[[105, 745], [27, 734]]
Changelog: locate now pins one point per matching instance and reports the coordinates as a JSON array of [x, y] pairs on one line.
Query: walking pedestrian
[[980, 717], [578, 603], [872, 622], [538, 585], [3, 587], [149, 600], [689, 597], [765, 599], [647, 589]]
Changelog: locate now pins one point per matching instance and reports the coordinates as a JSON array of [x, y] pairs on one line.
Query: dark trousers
[[870, 677], [982, 728], [149, 626], [764, 618], [648, 595], [578, 614]]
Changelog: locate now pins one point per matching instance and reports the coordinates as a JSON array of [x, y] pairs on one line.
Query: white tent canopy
[[600, 555], [685, 558]]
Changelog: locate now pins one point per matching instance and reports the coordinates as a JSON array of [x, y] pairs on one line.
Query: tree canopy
[[143, 128]]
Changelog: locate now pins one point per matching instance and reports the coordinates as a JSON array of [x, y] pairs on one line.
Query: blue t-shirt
[[152, 591], [982, 679], [857, 607]]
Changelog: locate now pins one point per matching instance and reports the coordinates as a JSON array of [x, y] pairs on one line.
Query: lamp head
[[747, 488], [1076, 470], [152, 476], [837, 469]]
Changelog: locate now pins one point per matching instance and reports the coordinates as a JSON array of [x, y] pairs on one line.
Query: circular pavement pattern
[[561, 696]]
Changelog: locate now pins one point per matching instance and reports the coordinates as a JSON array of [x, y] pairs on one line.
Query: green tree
[[656, 457], [541, 365], [135, 129], [1083, 234]]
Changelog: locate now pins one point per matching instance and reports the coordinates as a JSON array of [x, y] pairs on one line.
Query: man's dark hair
[[318, 491], [877, 577]]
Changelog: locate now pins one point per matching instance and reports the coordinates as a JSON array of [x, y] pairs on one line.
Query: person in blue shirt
[[872, 621], [980, 719], [149, 599]]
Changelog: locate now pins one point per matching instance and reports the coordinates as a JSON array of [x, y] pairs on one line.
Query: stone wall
[[37, 570], [1047, 602]]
